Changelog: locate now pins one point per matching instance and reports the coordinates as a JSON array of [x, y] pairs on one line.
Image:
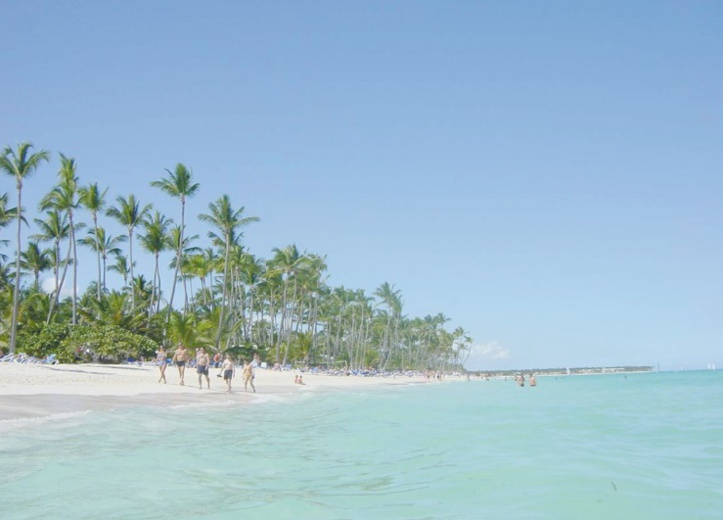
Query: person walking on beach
[[202, 361], [248, 375], [180, 358], [162, 360], [228, 371]]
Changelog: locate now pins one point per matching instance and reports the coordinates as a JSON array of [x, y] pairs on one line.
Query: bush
[[99, 343]]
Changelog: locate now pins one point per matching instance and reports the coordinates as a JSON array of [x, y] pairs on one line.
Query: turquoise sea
[[611, 446]]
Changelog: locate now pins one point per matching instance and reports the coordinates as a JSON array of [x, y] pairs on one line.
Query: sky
[[548, 175]]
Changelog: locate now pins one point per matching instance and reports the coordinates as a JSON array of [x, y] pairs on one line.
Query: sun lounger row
[[24, 358]]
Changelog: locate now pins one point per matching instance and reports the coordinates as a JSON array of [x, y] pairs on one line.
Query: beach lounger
[[50, 359]]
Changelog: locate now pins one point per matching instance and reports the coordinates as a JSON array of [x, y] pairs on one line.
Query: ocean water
[[612, 446]]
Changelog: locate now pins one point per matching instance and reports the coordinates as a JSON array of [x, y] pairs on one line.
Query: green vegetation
[[279, 307]]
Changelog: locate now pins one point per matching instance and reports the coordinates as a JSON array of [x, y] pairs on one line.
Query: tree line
[[221, 294]]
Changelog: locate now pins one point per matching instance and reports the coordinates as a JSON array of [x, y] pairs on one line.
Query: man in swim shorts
[[180, 357], [228, 371], [202, 361]]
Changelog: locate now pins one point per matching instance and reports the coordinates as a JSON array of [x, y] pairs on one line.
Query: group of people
[[520, 378], [182, 357]]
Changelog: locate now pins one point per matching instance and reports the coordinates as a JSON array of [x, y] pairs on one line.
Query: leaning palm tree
[[130, 214], [228, 221], [177, 184], [20, 163], [92, 199], [64, 198]]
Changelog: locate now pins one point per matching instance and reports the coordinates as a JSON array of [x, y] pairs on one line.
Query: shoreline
[[29, 391]]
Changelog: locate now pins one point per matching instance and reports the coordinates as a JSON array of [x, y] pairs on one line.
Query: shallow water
[[614, 446]]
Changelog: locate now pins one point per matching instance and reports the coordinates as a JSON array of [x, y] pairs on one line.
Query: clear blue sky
[[547, 174]]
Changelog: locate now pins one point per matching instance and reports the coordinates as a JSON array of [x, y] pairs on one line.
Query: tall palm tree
[[130, 214], [287, 262], [228, 221], [388, 296], [93, 199], [64, 198], [177, 184], [155, 241], [176, 240], [20, 163]]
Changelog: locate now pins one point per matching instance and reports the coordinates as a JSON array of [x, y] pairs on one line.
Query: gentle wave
[[641, 446]]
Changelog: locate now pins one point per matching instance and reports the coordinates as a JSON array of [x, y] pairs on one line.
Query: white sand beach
[[31, 390]]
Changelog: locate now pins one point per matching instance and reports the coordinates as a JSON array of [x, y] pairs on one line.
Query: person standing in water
[[248, 375], [228, 371], [162, 360], [180, 357], [202, 362]]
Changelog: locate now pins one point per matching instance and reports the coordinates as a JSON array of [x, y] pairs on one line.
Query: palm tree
[[54, 229], [64, 198], [92, 199], [6, 216], [35, 261], [287, 262], [390, 298], [103, 244], [121, 266], [155, 241], [129, 214], [176, 241], [19, 164], [228, 222], [178, 184]]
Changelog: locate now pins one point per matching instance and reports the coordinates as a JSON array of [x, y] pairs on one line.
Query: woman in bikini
[[162, 360], [248, 375]]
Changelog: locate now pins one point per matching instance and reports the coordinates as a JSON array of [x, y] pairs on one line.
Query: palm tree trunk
[[16, 289], [75, 270], [97, 250]]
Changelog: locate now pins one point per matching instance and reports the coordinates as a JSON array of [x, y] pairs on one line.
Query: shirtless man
[[202, 361], [228, 371], [180, 357], [248, 375]]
